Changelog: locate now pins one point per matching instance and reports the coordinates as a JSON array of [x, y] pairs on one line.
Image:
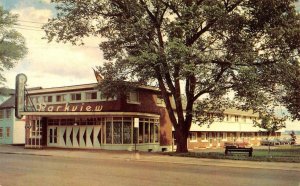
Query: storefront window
[[108, 132], [141, 132], [156, 136], [152, 133], [127, 128], [146, 133], [117, 132], [35, 129]]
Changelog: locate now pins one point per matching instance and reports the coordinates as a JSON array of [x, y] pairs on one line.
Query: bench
[[238, 149]]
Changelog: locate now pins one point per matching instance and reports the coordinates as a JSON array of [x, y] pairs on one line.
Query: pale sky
[[49, 64]]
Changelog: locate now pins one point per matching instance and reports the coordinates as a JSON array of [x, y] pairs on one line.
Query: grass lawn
[[278, 154]]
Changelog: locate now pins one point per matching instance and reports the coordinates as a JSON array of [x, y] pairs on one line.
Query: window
[[203, 136], [102, 96], [36, 129], [8, 132], [236, 118], [141, 133], [193, 136], [227, 117], [117, 132], [1, 114], [224, 135], [127, 128], [76, 97], [35, 100], [8, 113], [108, 131], [160, 100], [90, 95], [48, 99], [148, 131], [244, 118], [61, 98], [107, 97], [133, 97], [1, 132]]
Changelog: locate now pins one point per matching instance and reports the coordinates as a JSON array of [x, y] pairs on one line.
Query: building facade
[[81, 117], [236, 128], [12, 130]]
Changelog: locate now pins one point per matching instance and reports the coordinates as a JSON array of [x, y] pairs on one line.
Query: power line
[[27, 26], [31, 21], [17, 27]]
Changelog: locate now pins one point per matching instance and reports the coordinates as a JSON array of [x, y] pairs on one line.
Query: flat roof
[[40, 90]]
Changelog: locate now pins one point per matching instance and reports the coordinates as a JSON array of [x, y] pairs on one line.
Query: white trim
[[76, 87]]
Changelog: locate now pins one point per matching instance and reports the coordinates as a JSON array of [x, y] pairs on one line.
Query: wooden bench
[[238, 149]]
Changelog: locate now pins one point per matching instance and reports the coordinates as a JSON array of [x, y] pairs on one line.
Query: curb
[[197, 162], [21, 153]]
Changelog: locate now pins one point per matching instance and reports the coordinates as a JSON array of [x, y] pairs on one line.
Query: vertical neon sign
[[21, 80]]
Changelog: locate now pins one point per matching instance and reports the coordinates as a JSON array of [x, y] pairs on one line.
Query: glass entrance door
[[52, 135]]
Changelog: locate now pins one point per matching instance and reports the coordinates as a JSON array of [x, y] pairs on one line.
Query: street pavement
[[146, 157]]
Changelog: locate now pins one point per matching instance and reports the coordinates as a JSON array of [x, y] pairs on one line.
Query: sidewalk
[[146, 157]]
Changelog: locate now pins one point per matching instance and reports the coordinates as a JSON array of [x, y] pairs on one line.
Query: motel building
[[81, 117], [236, 128]]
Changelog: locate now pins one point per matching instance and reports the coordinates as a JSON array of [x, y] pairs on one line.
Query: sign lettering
[[68, 107]]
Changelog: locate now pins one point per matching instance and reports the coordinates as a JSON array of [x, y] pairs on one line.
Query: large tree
[[12, 43], [202, 49]]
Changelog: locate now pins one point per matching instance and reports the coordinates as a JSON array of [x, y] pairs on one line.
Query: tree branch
[[193, 39], [209, 88]]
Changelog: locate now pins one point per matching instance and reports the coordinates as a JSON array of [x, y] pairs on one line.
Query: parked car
[[286, 141], [276, 141], [265, 142]]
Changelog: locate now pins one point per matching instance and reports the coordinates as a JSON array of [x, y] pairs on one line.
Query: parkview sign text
[[68, 107]]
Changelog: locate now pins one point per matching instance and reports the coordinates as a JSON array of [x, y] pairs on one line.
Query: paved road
[[29, 169]]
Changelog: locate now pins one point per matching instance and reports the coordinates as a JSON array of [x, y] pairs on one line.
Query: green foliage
[[293, 137], [12, 43], [212, 48], [271, 123]]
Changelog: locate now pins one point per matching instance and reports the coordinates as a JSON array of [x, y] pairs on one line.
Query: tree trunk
[[181, 140]]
